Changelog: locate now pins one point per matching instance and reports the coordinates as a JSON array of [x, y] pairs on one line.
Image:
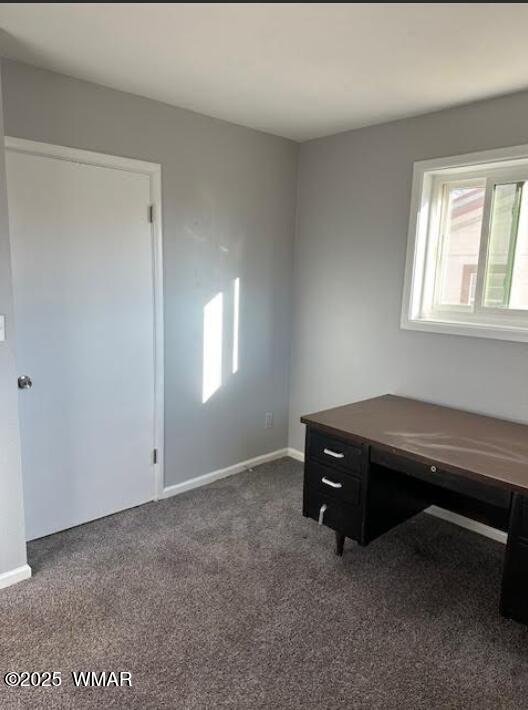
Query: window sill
[[475, 330]]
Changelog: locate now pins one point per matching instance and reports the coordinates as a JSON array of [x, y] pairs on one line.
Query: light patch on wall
[[213, 314], [236, 326]]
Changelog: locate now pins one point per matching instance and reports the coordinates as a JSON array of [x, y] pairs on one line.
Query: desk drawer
[[339, 515], [332, 482], [434, 474], [334, 452]]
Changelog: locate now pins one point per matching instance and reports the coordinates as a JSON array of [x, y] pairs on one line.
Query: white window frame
[[418, 313]]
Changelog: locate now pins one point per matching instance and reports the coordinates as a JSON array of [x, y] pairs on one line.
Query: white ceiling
[[299, 70]]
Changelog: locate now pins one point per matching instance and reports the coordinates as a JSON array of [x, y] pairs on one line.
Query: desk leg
[[514, 597], [340, 543]]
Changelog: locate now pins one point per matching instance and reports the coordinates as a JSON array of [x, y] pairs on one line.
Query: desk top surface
[[471, 444]]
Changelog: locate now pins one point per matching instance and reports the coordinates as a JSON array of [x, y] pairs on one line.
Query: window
[[467, 260]]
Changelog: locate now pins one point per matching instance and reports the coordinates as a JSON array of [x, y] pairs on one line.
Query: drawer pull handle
[[321, 513], [336, 455], [330, 483]]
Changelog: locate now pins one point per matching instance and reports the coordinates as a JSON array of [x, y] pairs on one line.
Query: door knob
[[24, 382]]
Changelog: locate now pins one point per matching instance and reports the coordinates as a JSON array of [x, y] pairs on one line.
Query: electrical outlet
[[268, 420]]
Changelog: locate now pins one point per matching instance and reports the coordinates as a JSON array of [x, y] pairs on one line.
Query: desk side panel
[[514, 598]]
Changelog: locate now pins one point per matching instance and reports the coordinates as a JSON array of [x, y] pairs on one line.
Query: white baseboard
[[468, 524], [199, 481], [295, 454], [454, 518], [14, 576]]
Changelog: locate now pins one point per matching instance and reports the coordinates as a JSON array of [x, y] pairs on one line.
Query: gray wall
[[228, 210], [353, 213], [12, 538]]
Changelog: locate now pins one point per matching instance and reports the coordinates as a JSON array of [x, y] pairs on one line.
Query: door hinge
[[155, 456], [151, 214]]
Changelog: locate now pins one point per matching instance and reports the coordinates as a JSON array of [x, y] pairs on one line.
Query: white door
[[84, 320]]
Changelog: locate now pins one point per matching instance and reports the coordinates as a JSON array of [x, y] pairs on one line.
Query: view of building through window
[[506, 276], [460, 245]]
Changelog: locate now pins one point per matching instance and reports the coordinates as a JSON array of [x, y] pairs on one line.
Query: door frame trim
[[153, 171]]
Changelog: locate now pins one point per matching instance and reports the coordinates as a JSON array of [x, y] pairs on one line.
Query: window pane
[[459, 246], [506, 283]]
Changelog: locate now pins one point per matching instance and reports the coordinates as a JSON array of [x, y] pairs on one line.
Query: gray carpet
[[226, 597]]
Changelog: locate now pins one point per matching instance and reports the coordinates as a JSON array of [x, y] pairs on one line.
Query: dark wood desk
[[371, 465]]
